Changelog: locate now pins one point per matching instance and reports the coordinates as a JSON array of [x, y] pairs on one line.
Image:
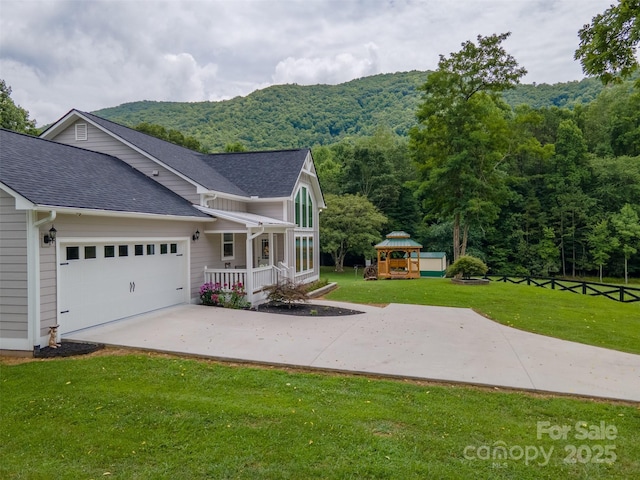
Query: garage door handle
[[65, 311], [179, 288]]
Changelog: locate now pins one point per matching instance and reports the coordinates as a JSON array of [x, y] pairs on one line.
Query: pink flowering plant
[[233, 296], [211, 294]]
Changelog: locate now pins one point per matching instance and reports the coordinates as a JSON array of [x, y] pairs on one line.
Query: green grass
[[152, 417], [580, 318]]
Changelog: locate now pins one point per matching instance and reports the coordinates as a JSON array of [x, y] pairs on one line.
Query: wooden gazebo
[[398, 256]]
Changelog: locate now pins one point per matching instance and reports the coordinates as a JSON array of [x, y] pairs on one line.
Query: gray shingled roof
[[266, 174], [53, 174], [263, 174]]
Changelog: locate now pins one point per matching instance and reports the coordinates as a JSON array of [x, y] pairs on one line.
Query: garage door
[[102, 282]]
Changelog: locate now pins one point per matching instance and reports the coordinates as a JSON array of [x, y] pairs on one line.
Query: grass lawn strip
[[147, 416]]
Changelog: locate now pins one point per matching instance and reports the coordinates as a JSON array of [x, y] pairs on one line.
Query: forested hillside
[[567, 192], [295, 116]]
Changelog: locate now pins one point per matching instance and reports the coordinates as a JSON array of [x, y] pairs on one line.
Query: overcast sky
[[86, 54]]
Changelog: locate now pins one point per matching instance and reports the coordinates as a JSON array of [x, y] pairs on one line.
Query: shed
[[432, 264], [398, 256]]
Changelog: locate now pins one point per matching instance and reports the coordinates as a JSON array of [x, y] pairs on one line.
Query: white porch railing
[[261, 277], [225, 277]]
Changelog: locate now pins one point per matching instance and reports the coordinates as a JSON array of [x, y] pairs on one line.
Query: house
[[432, 264], [99, 222]]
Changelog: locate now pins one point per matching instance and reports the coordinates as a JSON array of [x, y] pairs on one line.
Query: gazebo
[[398, 256]]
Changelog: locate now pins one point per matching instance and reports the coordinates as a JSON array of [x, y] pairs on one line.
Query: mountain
[[296, 116]]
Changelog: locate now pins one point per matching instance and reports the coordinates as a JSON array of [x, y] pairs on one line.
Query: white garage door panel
[[102, 289]]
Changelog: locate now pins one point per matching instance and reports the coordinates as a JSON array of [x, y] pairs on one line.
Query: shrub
[[287, 293], [467, 266], [211, 293]]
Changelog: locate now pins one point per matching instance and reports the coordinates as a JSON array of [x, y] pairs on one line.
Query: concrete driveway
[[433, 343]]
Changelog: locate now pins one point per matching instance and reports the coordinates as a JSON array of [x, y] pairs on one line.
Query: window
[[174, 248], [123, 250], [89, 252], [304, 253], [304, 208], [151, 249], [139, 250], [227, 246], [73, 253], [109, 251], [163, 249]]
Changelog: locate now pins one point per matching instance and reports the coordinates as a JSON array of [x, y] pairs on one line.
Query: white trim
[[119, 214], [21, 202], [81, 135], [249, 220], [34, 319], [223, 243], [22, 344]]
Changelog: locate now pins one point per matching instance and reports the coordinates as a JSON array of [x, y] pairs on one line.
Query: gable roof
[[267, 174], [56, 175]]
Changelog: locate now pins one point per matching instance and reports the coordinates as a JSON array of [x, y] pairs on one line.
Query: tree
[[350, 224], [548, 251], [171, 135], [601, 243], [608, 44], [12, 116], [627, 226], [462, 141]]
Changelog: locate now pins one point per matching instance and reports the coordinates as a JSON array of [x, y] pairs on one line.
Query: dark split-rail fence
[[619, 293]]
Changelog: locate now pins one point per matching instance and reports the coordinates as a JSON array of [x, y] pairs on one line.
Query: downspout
[[50, 218]]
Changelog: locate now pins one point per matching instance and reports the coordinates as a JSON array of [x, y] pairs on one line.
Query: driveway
[[423, 342]]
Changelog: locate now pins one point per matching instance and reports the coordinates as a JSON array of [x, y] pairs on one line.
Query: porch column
[[249, 257], [272, 249]]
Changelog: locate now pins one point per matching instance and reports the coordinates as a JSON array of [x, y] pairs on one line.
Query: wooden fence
[[619, 293]]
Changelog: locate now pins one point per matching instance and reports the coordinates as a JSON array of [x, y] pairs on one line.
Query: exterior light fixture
[[196, 235], [50, 238]]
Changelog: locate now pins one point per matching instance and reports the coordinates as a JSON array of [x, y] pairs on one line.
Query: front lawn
[[580, 318], [158, 417]]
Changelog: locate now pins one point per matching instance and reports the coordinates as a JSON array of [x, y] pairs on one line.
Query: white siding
[[13, 270], [267, 209], [228, 205], [99, 141]]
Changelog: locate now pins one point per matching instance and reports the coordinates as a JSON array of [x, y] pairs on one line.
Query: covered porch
[[251, 250]]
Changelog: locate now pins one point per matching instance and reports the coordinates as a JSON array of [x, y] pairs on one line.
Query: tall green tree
[[462, 141], [602, 243], [608, 45], [350, 224], [12, 116], [627, 226]]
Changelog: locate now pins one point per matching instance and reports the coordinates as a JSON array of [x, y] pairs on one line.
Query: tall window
[[304, 231], [304, 208], [227, 246]]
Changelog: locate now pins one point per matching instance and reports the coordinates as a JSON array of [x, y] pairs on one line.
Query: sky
[[91, 54]]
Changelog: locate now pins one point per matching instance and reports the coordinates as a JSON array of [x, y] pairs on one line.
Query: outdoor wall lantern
[[51, 237], [196, 235]]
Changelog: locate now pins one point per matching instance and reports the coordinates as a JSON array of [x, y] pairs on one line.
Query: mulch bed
[[306, 310], [68, 349]]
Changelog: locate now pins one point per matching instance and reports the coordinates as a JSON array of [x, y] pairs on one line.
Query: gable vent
[[81, 131]]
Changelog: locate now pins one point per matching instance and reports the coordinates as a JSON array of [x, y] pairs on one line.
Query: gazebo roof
[[398, 240]]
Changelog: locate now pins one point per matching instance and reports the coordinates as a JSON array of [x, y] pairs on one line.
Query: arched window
[[304, 208]]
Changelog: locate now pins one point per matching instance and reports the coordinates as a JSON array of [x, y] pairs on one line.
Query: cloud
[[327, 70], [61, 54]]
